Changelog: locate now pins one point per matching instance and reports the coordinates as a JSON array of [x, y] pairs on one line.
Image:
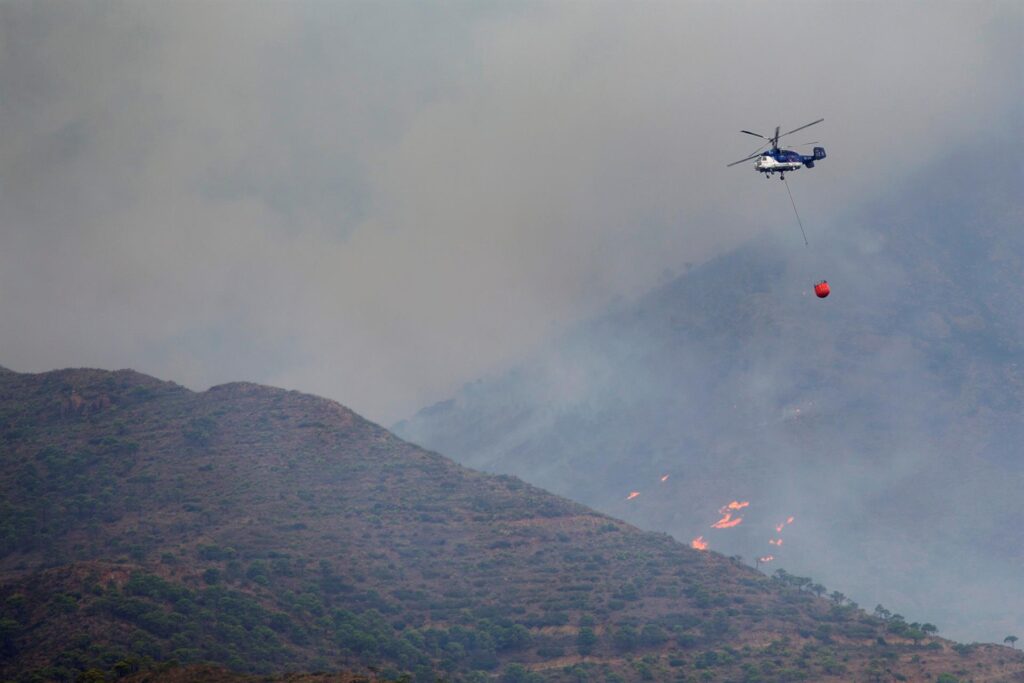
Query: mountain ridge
[[271, 531]]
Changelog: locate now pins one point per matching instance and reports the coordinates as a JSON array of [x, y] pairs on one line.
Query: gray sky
[[377, 202]]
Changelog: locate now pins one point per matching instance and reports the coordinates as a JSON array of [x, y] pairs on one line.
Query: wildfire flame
[[699, 543], [775, 541], [766, 558], [632, 495], [727, 522], [781, 525], [665, 478], [789, 520]]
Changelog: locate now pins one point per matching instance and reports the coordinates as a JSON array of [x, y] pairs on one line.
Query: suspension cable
[[799, 222]]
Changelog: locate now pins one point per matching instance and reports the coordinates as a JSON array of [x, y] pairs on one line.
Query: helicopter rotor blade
[[801, 128], [756, 135], [756, 154]]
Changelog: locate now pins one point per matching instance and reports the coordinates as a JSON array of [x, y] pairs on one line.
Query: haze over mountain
[[378, 202], [267, 531], [886, 418]]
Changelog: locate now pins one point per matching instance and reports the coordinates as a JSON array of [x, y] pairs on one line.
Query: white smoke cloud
[[379, 202]]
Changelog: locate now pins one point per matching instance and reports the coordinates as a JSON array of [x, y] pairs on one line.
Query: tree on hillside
[[837, 597], [625, 638], [10, 629], [817, 589], [586, 640], [1012, 640], [517, 673], [876, 671], [653, 635]]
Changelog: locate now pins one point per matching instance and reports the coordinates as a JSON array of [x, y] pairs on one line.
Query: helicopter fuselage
[[782, 160], [778, 160]]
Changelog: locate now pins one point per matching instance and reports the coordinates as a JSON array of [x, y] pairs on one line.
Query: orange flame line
[[632, 495], [699, 543], [665, 478], [727, 522]]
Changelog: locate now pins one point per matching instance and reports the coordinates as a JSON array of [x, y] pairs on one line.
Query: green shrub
[[625, 638], [586, 639], [653, 635]]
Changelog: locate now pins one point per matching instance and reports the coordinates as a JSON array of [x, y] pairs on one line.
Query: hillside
[[886, 419], [268, 531]]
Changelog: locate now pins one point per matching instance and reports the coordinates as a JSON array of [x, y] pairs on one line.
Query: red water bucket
[[822, 289]]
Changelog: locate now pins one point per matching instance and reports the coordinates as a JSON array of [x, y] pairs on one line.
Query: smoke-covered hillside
[[885, 419], [269, 531]]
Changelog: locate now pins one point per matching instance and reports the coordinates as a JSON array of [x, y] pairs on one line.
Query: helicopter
[[774, 160]]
